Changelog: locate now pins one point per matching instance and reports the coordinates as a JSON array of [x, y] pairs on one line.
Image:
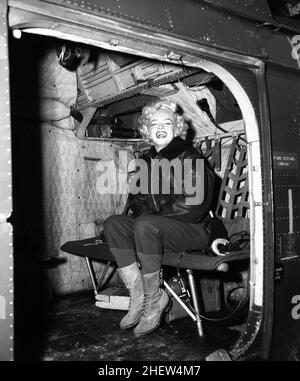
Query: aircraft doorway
[[65, 120]]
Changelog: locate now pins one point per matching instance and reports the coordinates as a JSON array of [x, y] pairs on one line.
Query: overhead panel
[[243, 27], [253, 9], [150, 13], [213, 26]]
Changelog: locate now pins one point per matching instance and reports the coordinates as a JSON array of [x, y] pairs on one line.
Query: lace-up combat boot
[[132, 279], [156, 302]]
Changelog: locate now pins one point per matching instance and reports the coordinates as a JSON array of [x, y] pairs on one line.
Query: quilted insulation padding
[[57, 83], [73, 209]]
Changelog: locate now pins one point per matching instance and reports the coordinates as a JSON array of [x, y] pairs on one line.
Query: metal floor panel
[[80, 331]]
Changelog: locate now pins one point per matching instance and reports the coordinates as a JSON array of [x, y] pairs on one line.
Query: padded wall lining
[[73, 209]]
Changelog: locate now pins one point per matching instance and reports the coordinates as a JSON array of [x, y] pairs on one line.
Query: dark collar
[[172, 150]]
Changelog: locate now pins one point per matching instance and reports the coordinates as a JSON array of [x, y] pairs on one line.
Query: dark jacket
[[184, 206]]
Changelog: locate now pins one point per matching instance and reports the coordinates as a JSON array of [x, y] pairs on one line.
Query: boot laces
[[145, 304], [130, 299]]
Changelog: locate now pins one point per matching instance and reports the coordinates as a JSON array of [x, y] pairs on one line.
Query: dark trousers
[[146, 237]]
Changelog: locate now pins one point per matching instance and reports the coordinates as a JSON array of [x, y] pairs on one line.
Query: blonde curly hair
[[180, 126]]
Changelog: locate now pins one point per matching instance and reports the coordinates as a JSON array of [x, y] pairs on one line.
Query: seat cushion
[[94, 248], [200, 261]]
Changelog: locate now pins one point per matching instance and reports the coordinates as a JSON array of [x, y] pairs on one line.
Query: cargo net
[[234, 193]]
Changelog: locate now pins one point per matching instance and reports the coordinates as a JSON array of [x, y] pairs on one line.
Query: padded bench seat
[[94, 248]]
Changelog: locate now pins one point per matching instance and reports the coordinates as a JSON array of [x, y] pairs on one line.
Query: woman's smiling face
[[162, 125]]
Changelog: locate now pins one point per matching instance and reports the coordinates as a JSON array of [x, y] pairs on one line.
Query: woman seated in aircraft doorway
[[172, 220]]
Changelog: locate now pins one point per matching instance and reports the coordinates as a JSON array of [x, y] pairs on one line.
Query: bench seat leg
[[195, 316], [92, 274], [183, 305], [96, 286], [195, 301]]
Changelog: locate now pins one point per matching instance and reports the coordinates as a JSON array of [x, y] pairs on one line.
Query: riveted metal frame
[[268, 210], [6, 257], [114, 34]]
